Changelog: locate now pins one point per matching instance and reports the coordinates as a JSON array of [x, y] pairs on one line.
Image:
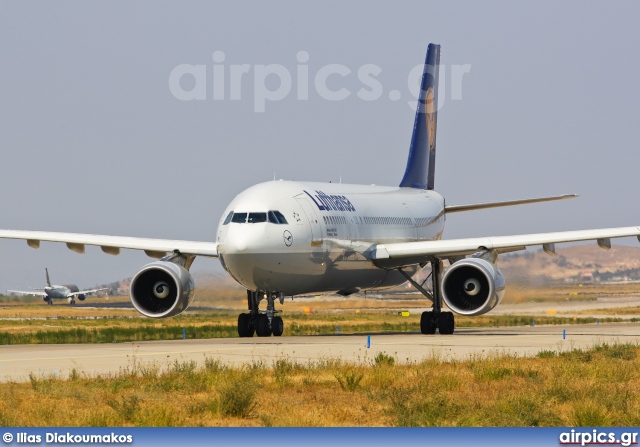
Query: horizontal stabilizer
[[482, 206]]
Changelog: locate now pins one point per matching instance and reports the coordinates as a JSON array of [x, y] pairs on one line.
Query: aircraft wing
[[155, 248], [81, 292], [412, 252], [31, 292]]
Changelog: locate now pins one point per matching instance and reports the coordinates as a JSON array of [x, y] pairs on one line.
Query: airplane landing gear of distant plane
[[262, 324], [71, 301], [437, 318]]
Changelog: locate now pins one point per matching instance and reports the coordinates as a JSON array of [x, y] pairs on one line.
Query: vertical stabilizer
[[421, 165], [47, 273]]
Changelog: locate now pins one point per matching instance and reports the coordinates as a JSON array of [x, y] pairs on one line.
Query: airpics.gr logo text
[[327, 202]]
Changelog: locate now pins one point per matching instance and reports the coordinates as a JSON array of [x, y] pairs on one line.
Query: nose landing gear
[[262, 324]]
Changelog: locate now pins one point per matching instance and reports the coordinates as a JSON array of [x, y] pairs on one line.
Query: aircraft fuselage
[[314, 251], [62, 291]]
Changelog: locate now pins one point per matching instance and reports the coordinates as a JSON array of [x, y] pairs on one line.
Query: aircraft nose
[[244, 238], [240, 244]]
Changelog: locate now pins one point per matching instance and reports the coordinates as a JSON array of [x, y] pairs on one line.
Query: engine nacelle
[[472, 286], [81, 297], [46, 299], [162, 289]]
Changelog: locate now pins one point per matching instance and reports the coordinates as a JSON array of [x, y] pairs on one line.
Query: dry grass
[[610, 311], [595, 387], [522, 293]]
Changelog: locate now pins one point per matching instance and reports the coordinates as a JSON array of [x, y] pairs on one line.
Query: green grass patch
[[223, 325]]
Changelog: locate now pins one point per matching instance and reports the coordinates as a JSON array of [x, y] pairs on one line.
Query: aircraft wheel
[[446, 323], [262, 328], [428, 323], [245, 328], [277, 326]]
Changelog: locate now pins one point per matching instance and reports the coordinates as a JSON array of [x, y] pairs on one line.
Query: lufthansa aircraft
[[66, 291], [285, 238]]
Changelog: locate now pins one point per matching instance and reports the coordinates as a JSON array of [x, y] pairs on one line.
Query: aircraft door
[[316, 229]]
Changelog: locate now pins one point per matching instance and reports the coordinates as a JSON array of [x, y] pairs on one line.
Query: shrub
[[238, 395], [382, 359], [349, 381]]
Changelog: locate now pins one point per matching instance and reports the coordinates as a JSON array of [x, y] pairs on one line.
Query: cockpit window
[[239, 218], [279, 217], [257, 217], [274, 217]]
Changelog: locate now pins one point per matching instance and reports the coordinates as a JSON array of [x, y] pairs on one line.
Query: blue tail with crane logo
[[421, 164]]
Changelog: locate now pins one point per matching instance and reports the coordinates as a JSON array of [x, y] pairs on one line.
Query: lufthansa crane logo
[[431, 118], [288, 238]]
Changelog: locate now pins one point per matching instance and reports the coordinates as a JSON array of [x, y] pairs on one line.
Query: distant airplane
[[51, 292], [286, 238]]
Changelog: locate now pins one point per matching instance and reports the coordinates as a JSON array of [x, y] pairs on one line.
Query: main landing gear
[[437, 318], [262, 324], [72, 301]]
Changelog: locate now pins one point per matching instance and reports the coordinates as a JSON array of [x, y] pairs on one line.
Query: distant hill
[[581, 263]]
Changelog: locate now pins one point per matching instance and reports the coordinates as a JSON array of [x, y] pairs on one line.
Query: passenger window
[[257, 217], [228, 218], [239, 218]]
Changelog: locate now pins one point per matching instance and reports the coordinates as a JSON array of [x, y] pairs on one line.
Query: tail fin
[[421, 165], [47, 273]]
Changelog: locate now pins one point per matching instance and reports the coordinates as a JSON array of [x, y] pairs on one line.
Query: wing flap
[[112, 244], [462, 247]]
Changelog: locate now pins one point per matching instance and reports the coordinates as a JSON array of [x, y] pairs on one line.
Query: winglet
[[421, 164]]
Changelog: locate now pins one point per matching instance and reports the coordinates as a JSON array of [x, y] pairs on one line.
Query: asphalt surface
[[18, 361]]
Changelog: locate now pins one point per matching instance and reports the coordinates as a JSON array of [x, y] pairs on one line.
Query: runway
[[17, 361]]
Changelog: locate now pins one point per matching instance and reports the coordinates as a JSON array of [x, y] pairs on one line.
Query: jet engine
[[472, 286], [46, 299], [81, 297], [162, 289]]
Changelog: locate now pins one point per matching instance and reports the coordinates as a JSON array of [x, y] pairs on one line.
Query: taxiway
[[18, 361]]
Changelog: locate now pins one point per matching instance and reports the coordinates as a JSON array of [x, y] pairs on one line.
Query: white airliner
[[286, 238], [65, 291]]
